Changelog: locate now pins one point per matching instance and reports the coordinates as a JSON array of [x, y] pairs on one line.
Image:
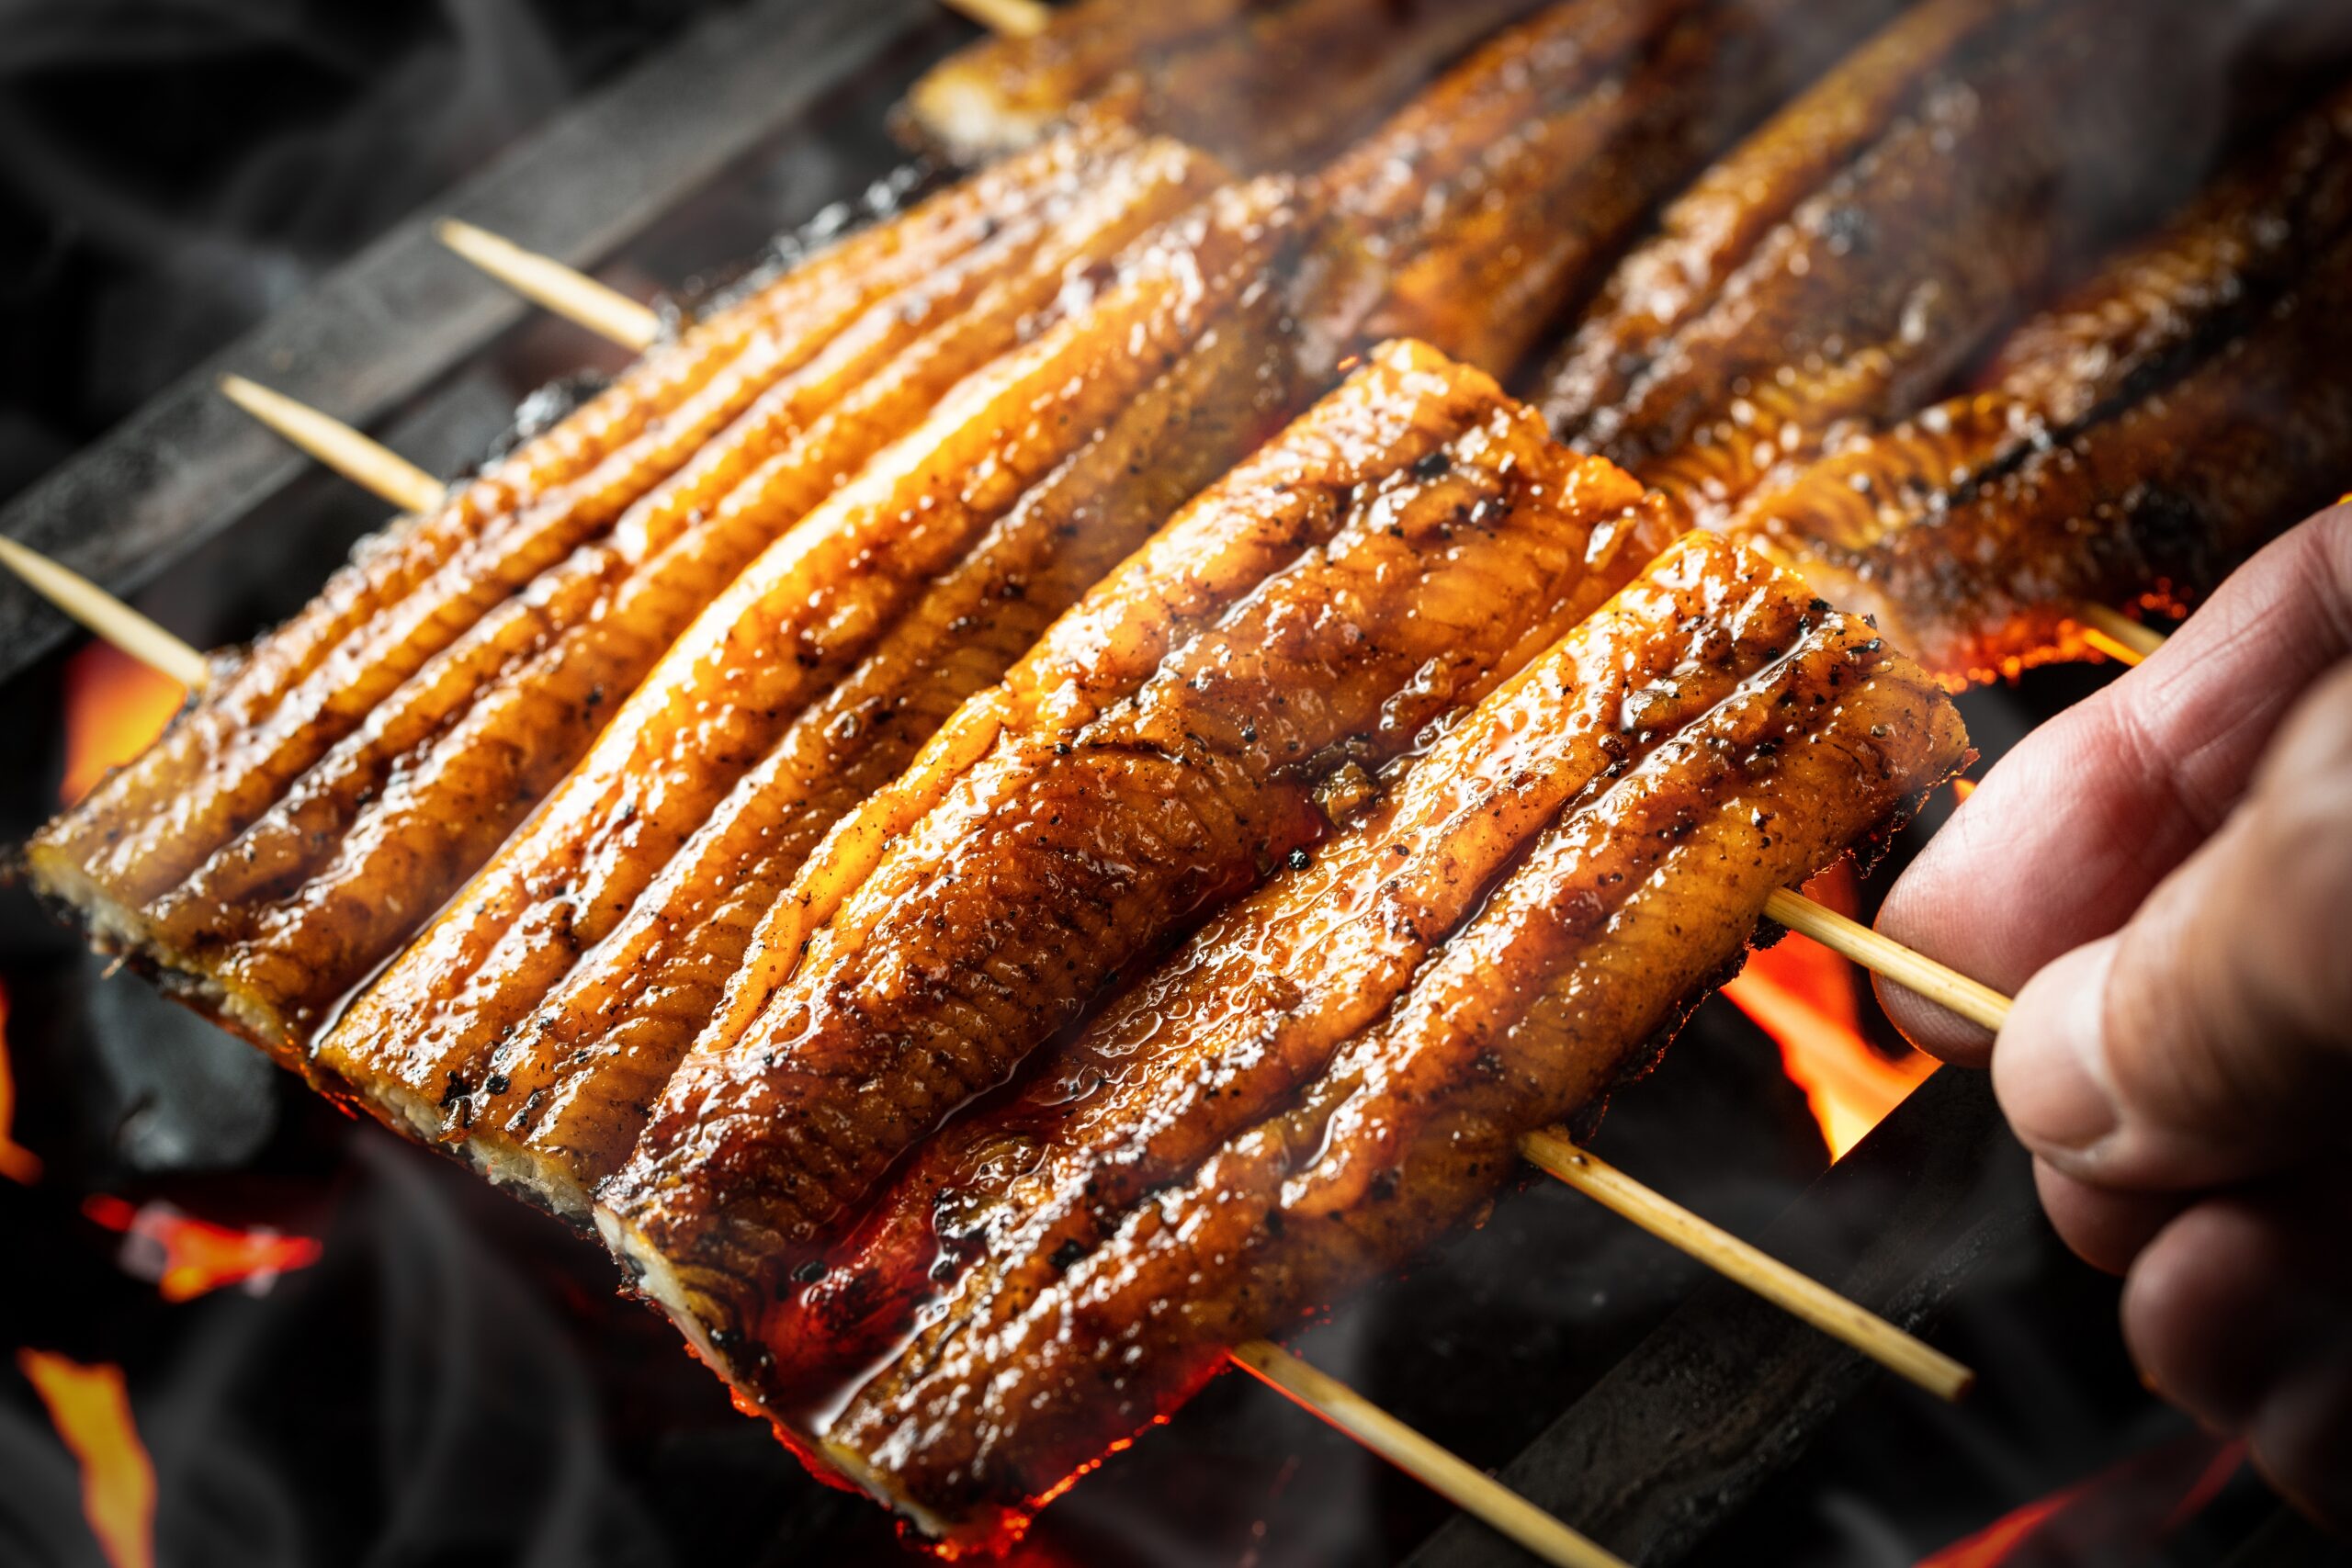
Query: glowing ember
[[1962, 789], [114, 707], [18, 1163], [1805, 997], [187, 1257], [2123, 1512], [92, 1414]]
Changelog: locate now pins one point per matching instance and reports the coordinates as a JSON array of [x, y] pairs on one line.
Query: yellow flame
[[91, 1411]]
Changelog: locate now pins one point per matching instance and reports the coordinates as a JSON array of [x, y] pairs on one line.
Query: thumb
[[2211, 1039]]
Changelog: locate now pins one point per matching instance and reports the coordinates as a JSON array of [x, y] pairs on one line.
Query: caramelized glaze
[[791, 625], [1383, 564]]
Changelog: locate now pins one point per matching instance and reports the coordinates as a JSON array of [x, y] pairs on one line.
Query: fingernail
[[2049, 1064]]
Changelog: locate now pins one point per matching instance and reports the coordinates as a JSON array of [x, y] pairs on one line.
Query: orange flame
[[1962, 789], [1805, 997], [115, 706], [92, 1414], [187, 1257], [18, 1163]]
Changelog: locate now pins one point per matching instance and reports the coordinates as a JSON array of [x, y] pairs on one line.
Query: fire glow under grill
[[1271, 1479]]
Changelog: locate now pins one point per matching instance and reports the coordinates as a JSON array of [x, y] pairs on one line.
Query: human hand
[[2166, 869]]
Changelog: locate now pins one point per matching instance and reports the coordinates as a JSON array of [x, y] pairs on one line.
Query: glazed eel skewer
[[1339, 1067], [1647, 1209], [494, 1082]]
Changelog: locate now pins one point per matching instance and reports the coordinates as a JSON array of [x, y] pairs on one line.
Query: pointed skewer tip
[[549, 283], [105, 615], [366, 462]]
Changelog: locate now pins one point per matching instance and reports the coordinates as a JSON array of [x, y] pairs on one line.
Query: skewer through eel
[[1872, 1335], [1849, 939]]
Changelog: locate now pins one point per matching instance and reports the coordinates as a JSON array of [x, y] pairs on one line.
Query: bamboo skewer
[[1889, 959], [1759, 1271], [1438, 1469], [368, 464], [543, 280], [1007, 18], [2116, 634], [107, 617]]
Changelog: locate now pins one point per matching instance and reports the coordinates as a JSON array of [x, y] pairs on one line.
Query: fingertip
[[1928, 909], [2192, 1305], [2049, 1066], [2104, 1228], [2240, 1311], [1944, 1035]]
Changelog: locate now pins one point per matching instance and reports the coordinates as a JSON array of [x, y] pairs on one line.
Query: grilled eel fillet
[[1483, 213], [1334, 1073], [1401, 548], [799, 688], [1858, 251], [1264, 85], [2136, 440], [346, 772]]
